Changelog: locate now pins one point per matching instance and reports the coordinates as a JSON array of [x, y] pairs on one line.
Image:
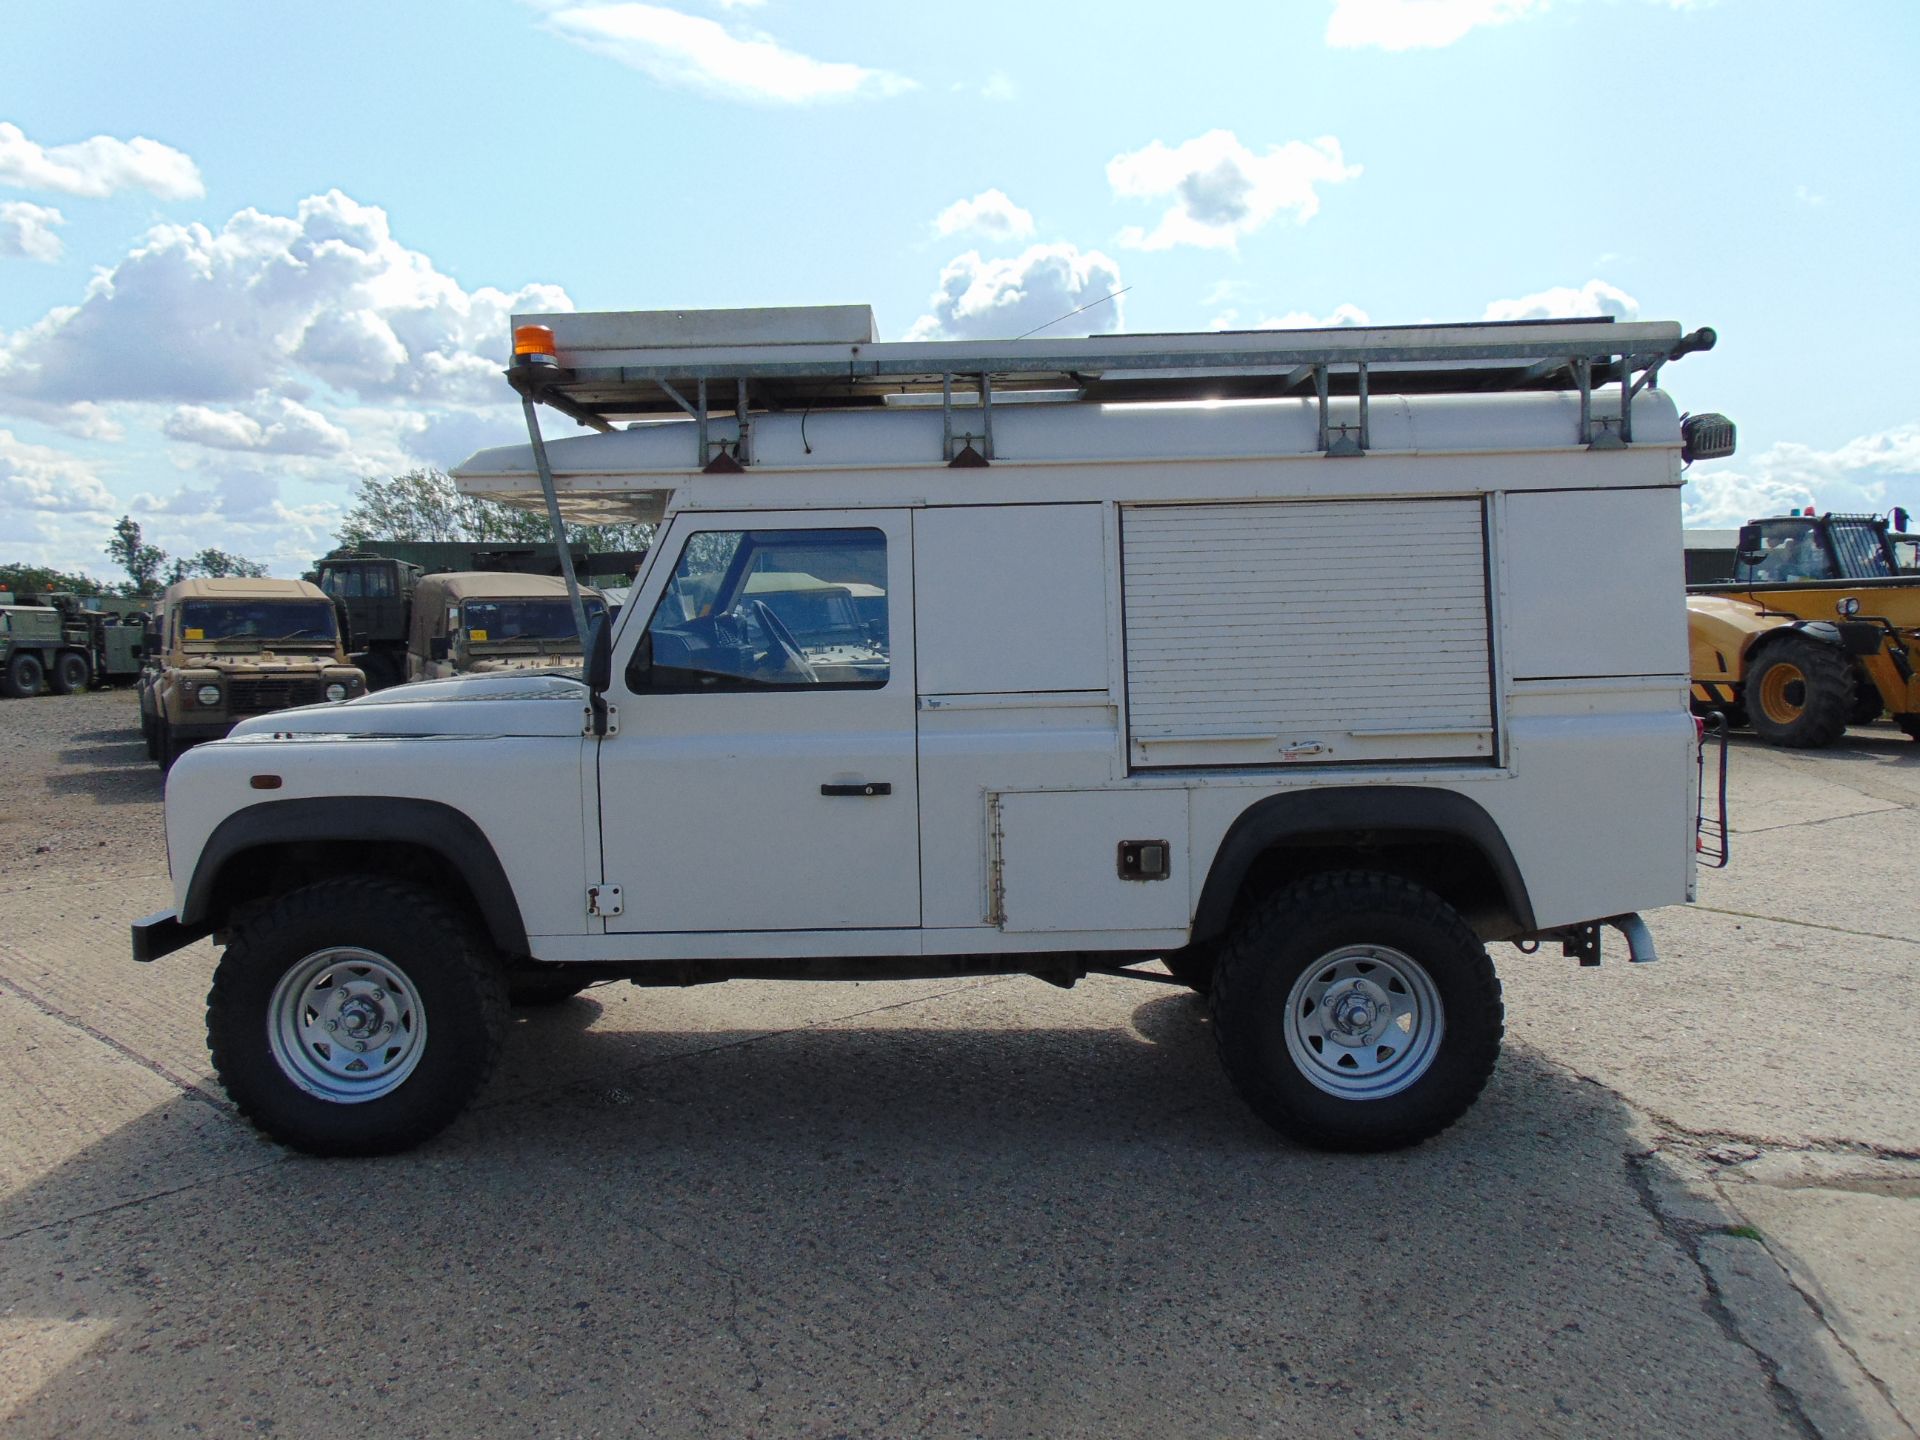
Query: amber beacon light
[[533, 344]]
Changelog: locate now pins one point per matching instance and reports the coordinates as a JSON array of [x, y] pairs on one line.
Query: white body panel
[[1040, 656]]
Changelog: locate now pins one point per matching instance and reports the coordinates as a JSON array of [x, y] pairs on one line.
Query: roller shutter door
[[1307, 632]]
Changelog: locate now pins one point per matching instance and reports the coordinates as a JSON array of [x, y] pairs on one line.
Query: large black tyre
[[389, 960], [22, 676], [71, 673], [529, 987], [150, 734], [1909, 724], [166, 748], [1345, 955], [1799, 693]]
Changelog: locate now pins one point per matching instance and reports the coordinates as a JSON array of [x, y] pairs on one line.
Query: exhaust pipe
[[1639, 939]]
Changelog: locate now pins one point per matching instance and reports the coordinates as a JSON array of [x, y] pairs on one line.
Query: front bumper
[[161, 933]]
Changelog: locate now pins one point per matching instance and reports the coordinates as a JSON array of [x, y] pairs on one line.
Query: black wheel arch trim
[[447, 832], [1379, 809]]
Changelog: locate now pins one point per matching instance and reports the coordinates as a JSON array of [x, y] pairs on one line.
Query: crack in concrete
[[146, 1199], [1804, 924], [127, 1052], [1887, 809], [1685, 1236]]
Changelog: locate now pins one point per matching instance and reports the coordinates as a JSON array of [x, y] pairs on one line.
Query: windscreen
[[257, 621], [494, 622], [1788, 549], [1857, 546]]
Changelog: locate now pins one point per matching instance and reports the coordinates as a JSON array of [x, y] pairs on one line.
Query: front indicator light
[[208, 694], [336, 691]]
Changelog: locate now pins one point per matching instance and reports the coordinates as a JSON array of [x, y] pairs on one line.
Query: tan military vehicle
[[480, 621], [227, 649]]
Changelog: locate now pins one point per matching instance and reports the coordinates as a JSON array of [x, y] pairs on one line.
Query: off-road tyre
[[71, 673], [1276, 946], [1799, 693], [532, 987], [457, 981], [1867, 703], [150, 734], [1909, 724], [166, 748], [22, 676]]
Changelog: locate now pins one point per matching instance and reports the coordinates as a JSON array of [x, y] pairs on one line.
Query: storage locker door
[[1307, 632]]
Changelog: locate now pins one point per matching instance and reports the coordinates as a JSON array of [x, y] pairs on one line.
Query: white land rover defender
[[1280, 658]]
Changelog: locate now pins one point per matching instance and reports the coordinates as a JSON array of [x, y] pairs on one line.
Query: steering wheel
[[782, 637]]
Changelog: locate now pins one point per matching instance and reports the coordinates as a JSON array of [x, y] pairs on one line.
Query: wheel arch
[[1437, 838], [251, 849]]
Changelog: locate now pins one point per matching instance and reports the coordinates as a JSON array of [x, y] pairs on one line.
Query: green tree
[[218, 565], [25, 579], [425, 505], [141, 561]]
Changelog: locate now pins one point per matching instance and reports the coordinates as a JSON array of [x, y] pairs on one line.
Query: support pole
[[559, 525]]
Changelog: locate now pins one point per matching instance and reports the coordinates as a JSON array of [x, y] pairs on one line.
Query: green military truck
[[375, 586], [67, 643]]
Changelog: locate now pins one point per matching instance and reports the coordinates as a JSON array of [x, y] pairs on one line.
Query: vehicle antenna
[[1114, 295]]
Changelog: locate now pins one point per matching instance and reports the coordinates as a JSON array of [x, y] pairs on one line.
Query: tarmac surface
[[1688, 1204]]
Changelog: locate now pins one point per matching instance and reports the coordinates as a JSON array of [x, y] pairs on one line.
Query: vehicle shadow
[[114, 773], [928, 1219]]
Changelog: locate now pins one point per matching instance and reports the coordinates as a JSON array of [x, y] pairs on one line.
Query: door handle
[[859, 787]]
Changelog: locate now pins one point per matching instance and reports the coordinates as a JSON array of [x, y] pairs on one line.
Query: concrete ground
[[1688, 1204]]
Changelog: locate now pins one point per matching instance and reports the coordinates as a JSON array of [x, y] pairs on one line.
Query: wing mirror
[[599, 673]]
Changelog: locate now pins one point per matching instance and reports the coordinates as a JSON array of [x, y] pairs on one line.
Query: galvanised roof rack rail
[[599, 368]]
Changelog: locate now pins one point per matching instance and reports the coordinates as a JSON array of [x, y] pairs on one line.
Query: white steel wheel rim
[[346, 1025], [1364, 1022]]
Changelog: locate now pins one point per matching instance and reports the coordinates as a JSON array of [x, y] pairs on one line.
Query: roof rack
[[601, 367]]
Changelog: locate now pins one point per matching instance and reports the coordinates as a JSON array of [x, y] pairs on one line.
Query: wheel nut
[[359, 1045], [333, 1024], [378, 993]]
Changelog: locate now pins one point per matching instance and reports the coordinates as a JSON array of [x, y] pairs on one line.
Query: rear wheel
[[166, 748], [1799, 693], [71, 672], [355, 1016], [150, 733], [1356, 1011], [22, 676]]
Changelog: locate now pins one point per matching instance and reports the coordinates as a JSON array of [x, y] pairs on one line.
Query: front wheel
[[1799, 693], [22, 676], [1356, 1011], [355, 1016]]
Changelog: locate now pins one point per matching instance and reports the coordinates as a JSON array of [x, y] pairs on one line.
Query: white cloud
[[325, 296], [273, 425], [1596, 297], [990, 213], [1296, 320], [97, 168], [1222, 190], [1418, 24], [695, 53], [1868, 473], [1808, 197], [26, 231], [998, 86], [40, 478], [982, 299]]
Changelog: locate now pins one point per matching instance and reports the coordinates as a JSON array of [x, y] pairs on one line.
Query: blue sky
[[250, 253]]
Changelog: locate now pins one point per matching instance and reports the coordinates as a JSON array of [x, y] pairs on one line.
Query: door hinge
[[603, 900]]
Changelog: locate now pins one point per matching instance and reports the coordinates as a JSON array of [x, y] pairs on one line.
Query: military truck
[[1815, 630], [374, 584], [67, 642], [225, 650], [1150, 692], [471, 623]]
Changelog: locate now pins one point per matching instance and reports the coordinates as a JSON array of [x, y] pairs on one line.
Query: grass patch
[[1743, 1232]]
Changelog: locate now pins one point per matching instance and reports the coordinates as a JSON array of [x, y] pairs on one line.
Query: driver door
[[763, 773]]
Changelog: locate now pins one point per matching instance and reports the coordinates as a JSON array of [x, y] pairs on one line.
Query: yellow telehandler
[[1817, 630]]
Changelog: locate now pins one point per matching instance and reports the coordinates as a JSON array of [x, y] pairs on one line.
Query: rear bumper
[[161, 933]]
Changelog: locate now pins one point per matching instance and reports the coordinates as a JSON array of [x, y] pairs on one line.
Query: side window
[[379, 583], [770, 610]]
